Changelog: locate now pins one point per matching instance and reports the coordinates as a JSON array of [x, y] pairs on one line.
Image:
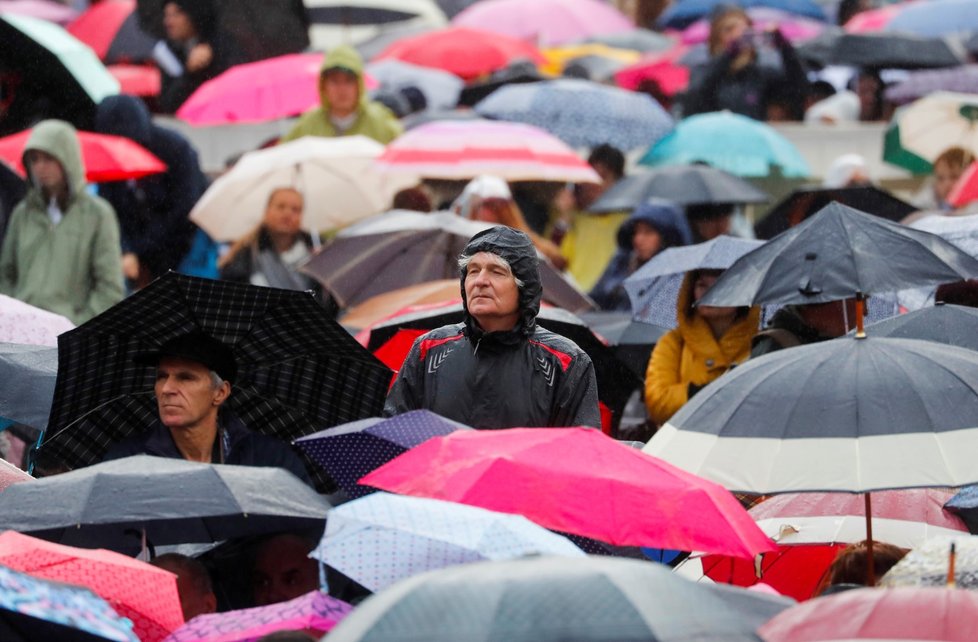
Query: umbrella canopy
[[576, 481], [942, 18], [28, 373], [106, 157], [35, 609], [402, 248], [137, 80], [10, 475], [350, 451], [631, 340], [879, 50], [682, 14], [298, 370], [143, 593], [664, 70], [681, 184], [546, 599], [850, 414], [315, 612], [962, 231], [388, 304], [918, 84], [23, 323], [925, 128], [333, 174], [929, 564], [731, 142], [381, 539], [44, 9], [111, 28], [954, 325], [112, 503], [332, 22], [462, 150], [580, 112], [546, 22], [965, 504], [835, 254], [792, 26], [805, 201], [966, 189], [467, 53], [440, 88], [637, 39], [891, 614]]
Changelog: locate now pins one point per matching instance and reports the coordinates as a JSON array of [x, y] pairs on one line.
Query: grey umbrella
[[28, 374], [955, 325], [682, 184], [546, 599]]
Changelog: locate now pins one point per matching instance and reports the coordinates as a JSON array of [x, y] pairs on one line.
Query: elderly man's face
[[185, 393], [491, 293]]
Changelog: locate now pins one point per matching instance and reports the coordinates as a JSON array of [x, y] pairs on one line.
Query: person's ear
[[222, 393]]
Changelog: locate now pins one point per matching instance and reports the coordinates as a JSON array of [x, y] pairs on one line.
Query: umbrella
[[60, 68], [388, 304], [596, 67], [313, 612], [44, 9], [34, 609], [965, 504], [966, 189], [372, 46], [401, 248], [925, 128], [894, 152], [939, 18], [731, 142], [849, 414], [637, 39], [462, 150], [12, 190], [805, 201], [631, 340], [962, 231], [440, 88], [23, 323], [111, 29], [581, 113], [918, 84], [467, 53], [577, 481], [333, 174], [381, 539], [879, 614], [793, 27], [954, 325], [546, 22], [682, 14], [433, 115], [145, 594], [28, 373], [336, 21], [350, 451], [681, 184], [298, 371], [10, 475], [520, 71], [878, 50], [663, 70], [600, 59], [106, 157], [546, 599], [137, 80], [930, 565], [173, 501], [836, 254]]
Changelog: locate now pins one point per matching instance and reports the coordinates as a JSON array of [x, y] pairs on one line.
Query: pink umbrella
[[874, 19], [23, 323], [794, 27], [545, 22], [10, 474], [577, 481], [661, 67], [315, 613], [462, 149], [136, 80], [43, 9]]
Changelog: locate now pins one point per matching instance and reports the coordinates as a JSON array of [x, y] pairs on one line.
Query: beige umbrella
[[384, 305]]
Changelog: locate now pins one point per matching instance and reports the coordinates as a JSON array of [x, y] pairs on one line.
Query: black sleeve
[[701, 96], [577, 397], [407, 393]]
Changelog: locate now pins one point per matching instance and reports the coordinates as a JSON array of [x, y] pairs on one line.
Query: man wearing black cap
[[194, 373], [498, 369]]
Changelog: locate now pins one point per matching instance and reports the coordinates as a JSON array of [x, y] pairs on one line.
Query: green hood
[[59, 138], [348, 58]]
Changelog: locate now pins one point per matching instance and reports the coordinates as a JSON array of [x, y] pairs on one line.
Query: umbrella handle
[[870, 563]]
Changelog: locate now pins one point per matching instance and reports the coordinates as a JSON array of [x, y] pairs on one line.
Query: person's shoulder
[[558, 346]]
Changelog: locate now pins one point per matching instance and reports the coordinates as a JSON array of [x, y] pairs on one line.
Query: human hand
[[199, 57], [130, 266]]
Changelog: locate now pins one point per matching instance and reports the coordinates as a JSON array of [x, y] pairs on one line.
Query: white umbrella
[[334, 174], [333, 22], [938, 121]]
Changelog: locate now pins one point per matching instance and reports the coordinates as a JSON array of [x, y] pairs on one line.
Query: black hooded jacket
[[524, 377]]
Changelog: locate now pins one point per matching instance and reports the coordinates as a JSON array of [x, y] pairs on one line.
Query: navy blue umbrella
[[685, 12]]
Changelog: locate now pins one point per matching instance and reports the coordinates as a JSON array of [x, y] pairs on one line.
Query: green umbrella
[[895, 154]]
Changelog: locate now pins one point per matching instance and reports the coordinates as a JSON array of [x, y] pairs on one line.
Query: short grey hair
[[216, 380], [464, 260]]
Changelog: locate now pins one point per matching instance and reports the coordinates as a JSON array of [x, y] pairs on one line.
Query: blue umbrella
[[580, 112], [731, 142], [350, 451], [936, 18], [440, 88], [383, 538], [685, 12], [36, 609]]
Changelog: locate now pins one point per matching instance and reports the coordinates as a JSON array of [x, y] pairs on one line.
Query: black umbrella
[[955, 325], [805, 201], [644, 40], [520, 71], [631, 340], [298, 370], [682, 184], [878, 51], [110, 505], [836, 254], [12, 190]]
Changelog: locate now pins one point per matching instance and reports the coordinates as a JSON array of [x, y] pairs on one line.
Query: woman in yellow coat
[[707, 342]]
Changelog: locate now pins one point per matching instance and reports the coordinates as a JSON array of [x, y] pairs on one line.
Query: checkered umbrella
[[298, 371]]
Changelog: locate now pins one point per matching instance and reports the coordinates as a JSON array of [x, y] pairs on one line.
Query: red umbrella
[[145, 594], [577, 481], [965, 190], [111, 29], [137, 80], [662, 67], [107, 158], [467, 53]]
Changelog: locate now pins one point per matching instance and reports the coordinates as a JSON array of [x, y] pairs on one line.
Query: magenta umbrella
[[577, 481], [315, 612], [545, 22], [43, 9], [794, 27]]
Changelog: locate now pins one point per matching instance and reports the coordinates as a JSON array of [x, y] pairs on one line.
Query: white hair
[[463, 265], [216, 380]]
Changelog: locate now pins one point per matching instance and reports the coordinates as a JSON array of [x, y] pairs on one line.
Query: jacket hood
[[665, 216], [59, 138], [519, 251], [124, 116], [695, 326], [347, 58]]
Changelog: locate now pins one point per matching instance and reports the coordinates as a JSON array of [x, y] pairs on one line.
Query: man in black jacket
[[498, 369]]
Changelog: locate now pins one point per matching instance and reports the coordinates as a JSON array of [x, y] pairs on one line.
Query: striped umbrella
[[462, 150]]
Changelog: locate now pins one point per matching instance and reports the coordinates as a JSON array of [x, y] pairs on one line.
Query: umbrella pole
[[870, 564]]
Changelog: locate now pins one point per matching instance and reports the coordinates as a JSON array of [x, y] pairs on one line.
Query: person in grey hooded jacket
[[498, 368]]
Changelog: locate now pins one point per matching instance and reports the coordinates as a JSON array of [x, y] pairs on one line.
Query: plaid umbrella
[[298, 370]]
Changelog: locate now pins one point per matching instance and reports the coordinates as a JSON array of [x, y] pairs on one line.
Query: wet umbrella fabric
[[23, 323], [835, 254], [173, 501], [112, 30], [379, 540], [641, 40], [547, 22], [681, 184], [849, 414], [546, 599], [28, 374], [10, 475], [631, 340], [682, 14], [298, 370], [350, 451], [879, 50], [440, 88], [926, 127], [34, 609], [940, 18], [927, 565], [917, 84], [954, 325], [962, 231], [965, 504]]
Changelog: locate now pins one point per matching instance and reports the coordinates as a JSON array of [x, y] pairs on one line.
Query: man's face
[[177, 24], [283, 571], [46, 170], [185, 393], [646, 242], [342, 90], [284, 212], [491, 293]]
